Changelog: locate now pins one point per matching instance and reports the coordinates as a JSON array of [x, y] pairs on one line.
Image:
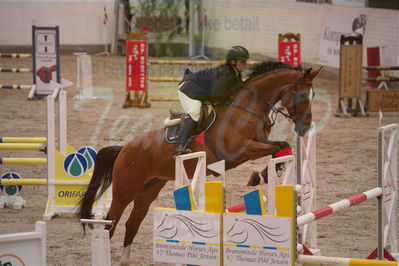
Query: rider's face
[[241, 65]]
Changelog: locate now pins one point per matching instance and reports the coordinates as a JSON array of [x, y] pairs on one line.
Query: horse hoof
[[177, 153], [215, 174], [264, 175], [254, 180]]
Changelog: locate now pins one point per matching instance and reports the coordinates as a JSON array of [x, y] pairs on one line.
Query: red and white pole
[[337, 206]]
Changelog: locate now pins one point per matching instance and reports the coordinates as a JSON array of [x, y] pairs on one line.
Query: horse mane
[[268, 66]]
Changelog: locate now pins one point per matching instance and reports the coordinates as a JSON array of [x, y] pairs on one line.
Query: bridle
[[270, 122]]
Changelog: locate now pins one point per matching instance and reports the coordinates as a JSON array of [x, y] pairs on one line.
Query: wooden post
[[350, 76]]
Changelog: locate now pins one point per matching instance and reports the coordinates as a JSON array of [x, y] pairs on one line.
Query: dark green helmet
[[237, 53]]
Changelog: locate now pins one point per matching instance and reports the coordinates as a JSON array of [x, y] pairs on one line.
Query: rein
[[264, 119], [273, 108]]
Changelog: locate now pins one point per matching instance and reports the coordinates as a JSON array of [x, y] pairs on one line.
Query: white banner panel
[[256, 240], [335, 25], [186, 237], [46, 58]]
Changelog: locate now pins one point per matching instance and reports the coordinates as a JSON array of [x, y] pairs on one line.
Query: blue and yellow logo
[[90, 154]]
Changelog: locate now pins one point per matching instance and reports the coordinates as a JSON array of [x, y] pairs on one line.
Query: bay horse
[[141, 168]]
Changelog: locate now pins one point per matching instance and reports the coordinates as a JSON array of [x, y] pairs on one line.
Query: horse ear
[[312, 75], [307, 72]]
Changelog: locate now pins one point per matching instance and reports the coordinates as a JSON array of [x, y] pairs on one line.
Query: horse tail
[[100, 181]]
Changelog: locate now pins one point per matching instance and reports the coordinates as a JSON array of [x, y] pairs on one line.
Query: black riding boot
[[186, 129]]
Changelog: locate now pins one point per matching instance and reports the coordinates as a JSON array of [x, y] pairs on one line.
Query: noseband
[[276, 110]]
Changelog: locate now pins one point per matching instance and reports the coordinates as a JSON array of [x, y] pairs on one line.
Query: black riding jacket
[[215, 84]]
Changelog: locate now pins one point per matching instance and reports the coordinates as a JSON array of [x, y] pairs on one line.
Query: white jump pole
[[334, 261], [387, 180], [100, 243], [198, 179], [288, 178], [62, 126], [62, 141], [307, 176], [50, 154]]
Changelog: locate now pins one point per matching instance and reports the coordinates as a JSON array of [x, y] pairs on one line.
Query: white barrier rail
[[27, 248]]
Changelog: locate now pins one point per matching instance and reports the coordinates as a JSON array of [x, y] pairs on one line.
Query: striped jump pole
[[28, 161], [337, 206], [15, 70], [164, 79], [22, 146], [23, 182], [189, 62], [334, 261], [183, 62], [381, 68], [15, 55], [160, 99], [37, 182], [23, 140], [241, 206], [380, 78], [3, 86]]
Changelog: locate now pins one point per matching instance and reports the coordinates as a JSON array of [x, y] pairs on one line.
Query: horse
[[141, 168]]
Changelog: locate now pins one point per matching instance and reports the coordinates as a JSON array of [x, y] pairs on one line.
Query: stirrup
[[185, 151]]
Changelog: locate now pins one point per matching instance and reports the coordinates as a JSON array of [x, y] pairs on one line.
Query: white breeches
[[190, 106]]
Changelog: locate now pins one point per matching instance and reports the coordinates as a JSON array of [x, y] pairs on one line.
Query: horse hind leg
[[142, 203], [115, 212], [120, 200]]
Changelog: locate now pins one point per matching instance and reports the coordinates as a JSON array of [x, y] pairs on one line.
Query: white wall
[[276, 17], [273, 18], [80, 21]]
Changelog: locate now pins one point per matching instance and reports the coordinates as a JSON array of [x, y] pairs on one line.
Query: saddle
[[172, 123]]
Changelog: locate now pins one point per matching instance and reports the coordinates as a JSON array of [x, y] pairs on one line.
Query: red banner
[[289, 53], [373, 59], [136, 65]]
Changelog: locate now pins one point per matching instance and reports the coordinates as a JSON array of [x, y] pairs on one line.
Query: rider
[[209, 85]]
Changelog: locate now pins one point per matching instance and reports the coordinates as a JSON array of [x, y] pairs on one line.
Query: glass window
[[389, 4], [316, 1]]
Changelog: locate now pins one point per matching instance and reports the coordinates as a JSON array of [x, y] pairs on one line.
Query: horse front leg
[[255, 149], [255, 177], [142, 203]]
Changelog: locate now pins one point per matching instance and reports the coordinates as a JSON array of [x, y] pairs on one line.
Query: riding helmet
[[237, 53]]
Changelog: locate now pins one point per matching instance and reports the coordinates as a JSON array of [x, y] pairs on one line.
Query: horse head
[[276, 81], [297, 99]]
